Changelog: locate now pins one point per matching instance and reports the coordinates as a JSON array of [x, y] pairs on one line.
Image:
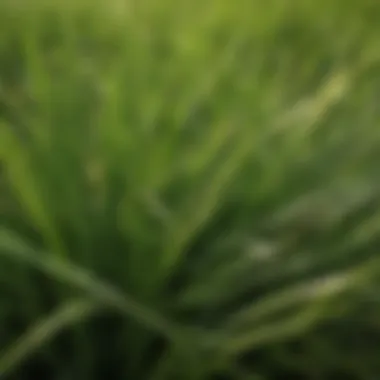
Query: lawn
[[189, 190]]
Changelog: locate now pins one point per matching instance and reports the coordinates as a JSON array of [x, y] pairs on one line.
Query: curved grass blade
[[45, 331], [79, 278], [243, 332]]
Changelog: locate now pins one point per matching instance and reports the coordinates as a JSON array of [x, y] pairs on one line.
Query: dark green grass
[[189, 190]]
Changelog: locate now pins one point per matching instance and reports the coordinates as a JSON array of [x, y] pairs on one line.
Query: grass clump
[[189, 190]]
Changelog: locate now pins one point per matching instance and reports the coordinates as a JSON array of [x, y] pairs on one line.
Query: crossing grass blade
[[60, 270]]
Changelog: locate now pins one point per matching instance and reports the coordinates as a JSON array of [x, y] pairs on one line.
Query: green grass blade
[[80, 279]]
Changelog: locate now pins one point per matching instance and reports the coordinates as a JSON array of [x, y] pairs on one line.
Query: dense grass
[[189, 190]]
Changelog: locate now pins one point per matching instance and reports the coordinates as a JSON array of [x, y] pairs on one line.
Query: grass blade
[[44, 331]]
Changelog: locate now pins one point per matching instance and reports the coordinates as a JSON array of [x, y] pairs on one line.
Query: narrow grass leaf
[[45, 331]]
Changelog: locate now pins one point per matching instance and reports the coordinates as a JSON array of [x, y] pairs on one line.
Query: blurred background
[[189, 190]]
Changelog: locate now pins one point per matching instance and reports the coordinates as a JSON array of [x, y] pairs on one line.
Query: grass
[[189, 190]]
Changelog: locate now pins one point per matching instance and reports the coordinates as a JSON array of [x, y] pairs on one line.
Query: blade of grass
[[202, 204], [66, 272], [318, 308], [24, 182], [45, 331]]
